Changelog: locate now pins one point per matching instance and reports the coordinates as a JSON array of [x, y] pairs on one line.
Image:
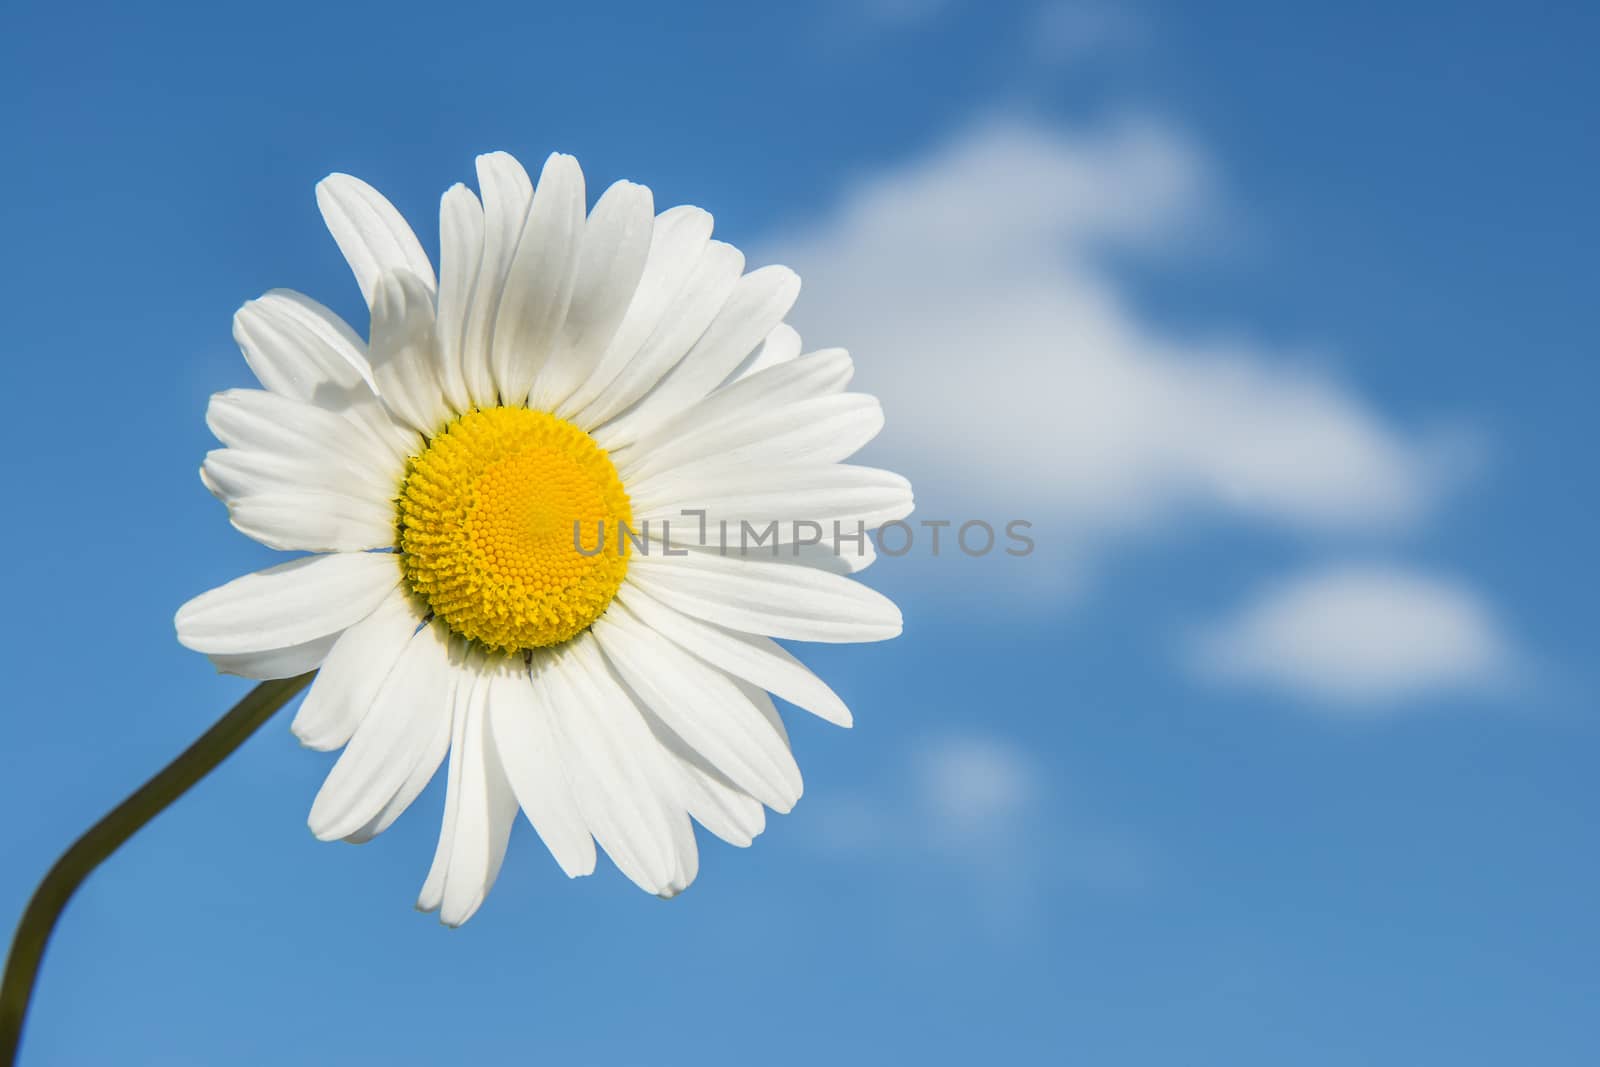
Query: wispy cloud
[[1070, 31], [974, 791], [1362, 638], [976, 814]]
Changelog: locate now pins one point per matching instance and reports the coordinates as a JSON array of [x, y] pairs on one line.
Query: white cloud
[[1361, 637], [976, 288], [979, 287]]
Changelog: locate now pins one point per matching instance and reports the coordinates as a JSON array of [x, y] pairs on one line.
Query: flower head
[[505, 494]]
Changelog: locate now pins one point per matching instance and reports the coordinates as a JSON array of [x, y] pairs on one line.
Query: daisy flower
[[509, 504]]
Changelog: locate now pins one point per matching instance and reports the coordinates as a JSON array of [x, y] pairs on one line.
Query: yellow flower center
[[486, 528]]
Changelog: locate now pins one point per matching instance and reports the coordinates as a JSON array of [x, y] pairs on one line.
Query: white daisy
[[615, 368]]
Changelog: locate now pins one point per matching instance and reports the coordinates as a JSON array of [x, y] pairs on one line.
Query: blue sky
[[1278, 327]]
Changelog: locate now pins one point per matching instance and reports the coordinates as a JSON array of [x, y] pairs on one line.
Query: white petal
[[507, 192], [290, 604], [757, 304], [522, 726], [337, 337], [615, 767], [398, 441], [783, 497], [793, 382], [285, 356], [405, 354], [372, 235], [764, 706], [845, 548], [816, 376], [616, 240], [758, 660], [352, 392], [781, 346], [301, 350], [469, 857], [314, 522], [462, 684], [427, 766], [277, 662], [393, 738], [703, 706], [235, 474], [834, 359], [820, 430], [540, 279], [254, 421], [777, 599], [678, 242], [715, 803], [488, 808], [846, 555], [710, 799], [460, 251], [685, 321], [685, 849], [300, 502], [354, 671]]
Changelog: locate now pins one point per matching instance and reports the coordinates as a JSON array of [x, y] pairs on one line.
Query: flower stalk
[[107, 835]]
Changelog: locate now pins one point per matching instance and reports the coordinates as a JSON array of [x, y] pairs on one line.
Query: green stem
[[107, 835]]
